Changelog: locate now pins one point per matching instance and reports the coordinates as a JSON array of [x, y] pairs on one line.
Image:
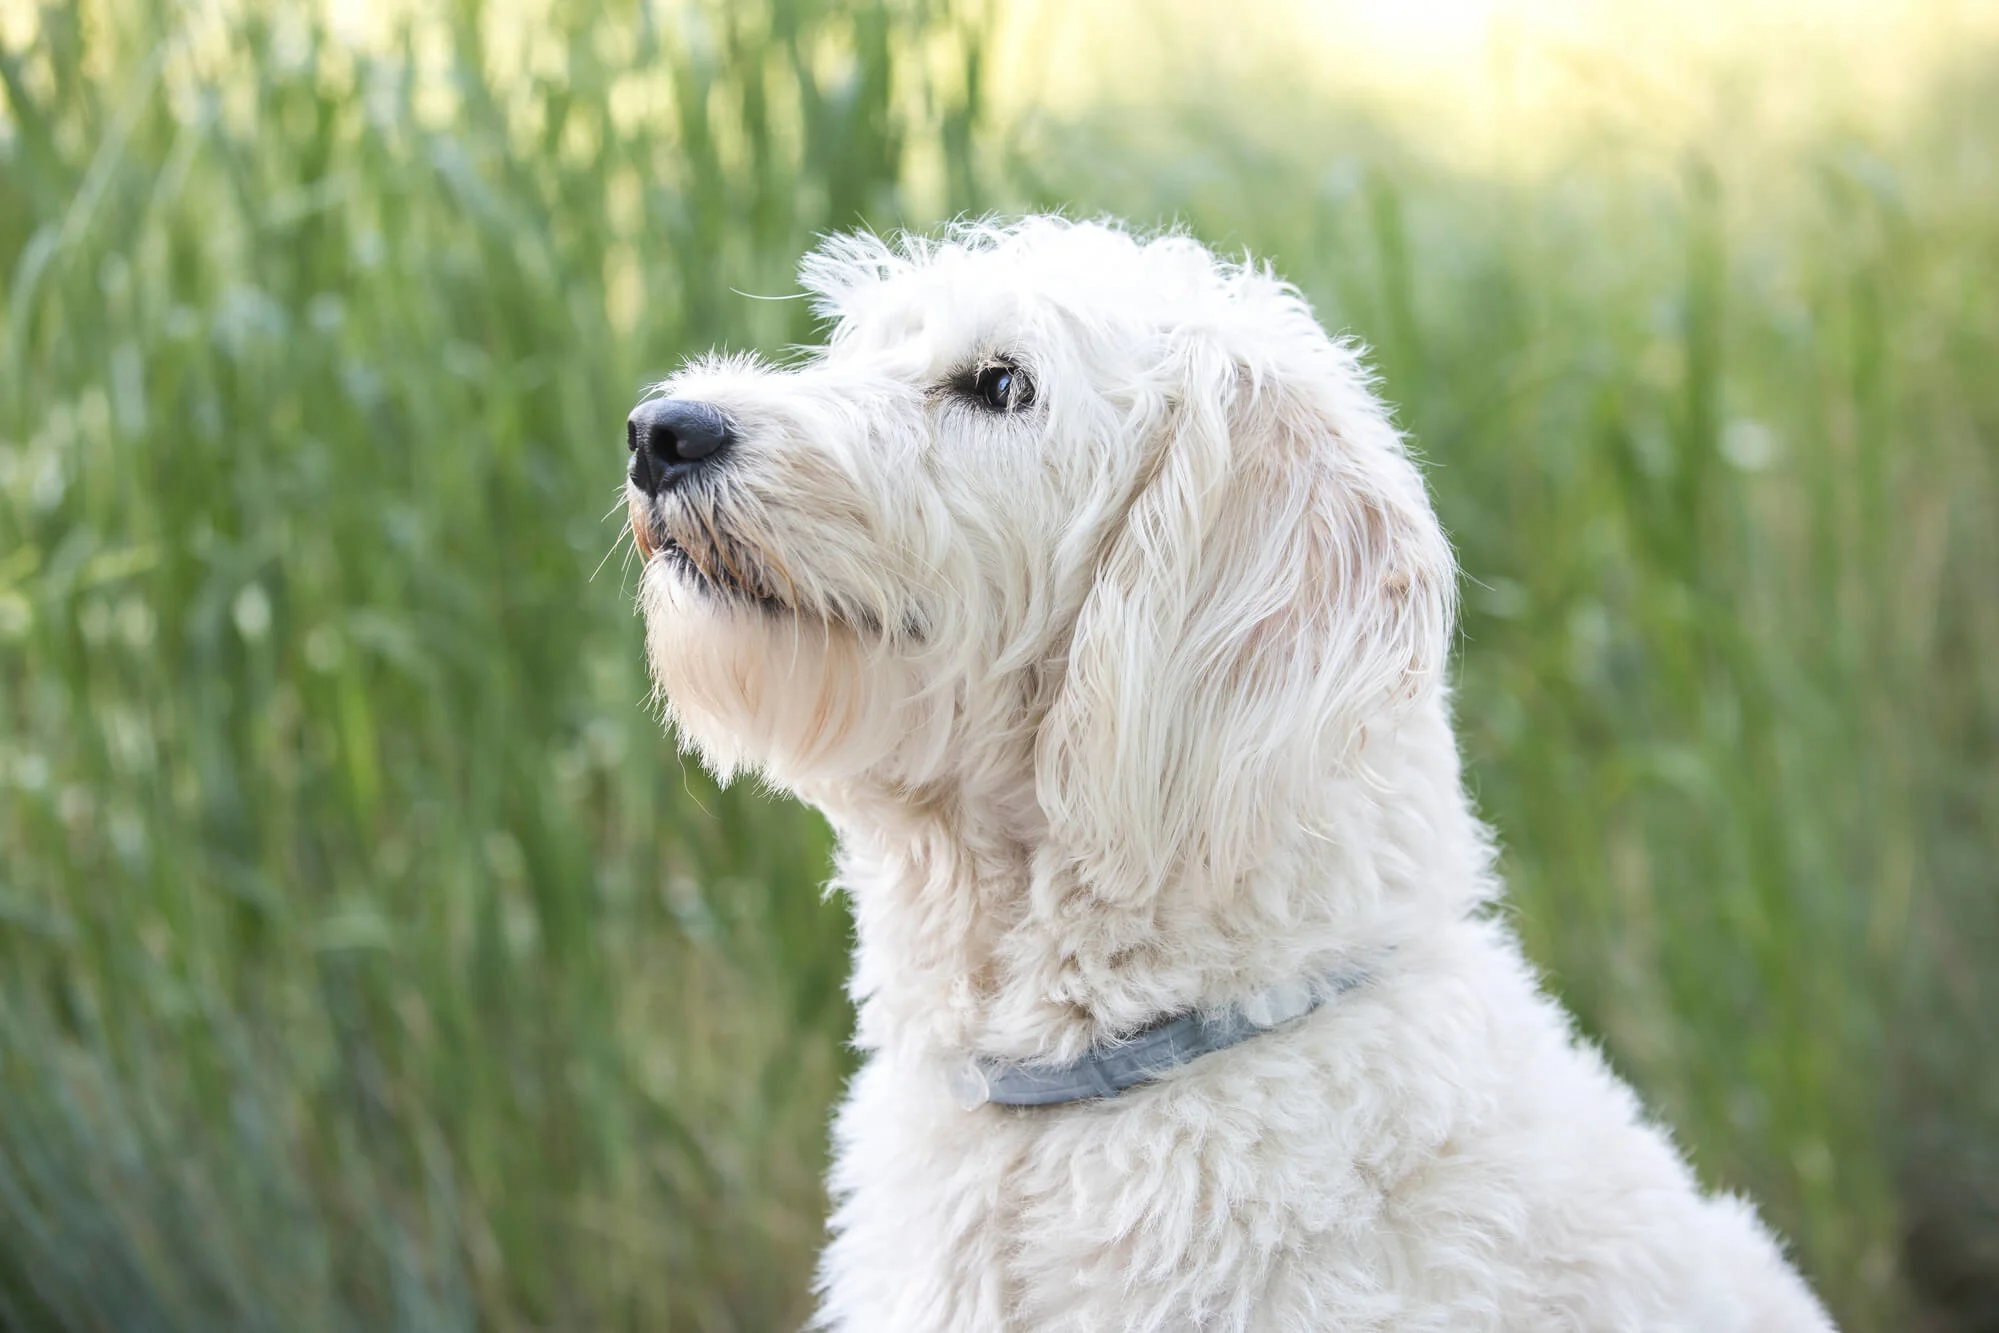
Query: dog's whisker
[[622, 542], [640, 527]]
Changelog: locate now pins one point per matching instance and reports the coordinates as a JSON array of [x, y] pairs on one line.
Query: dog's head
[[1099, 516]]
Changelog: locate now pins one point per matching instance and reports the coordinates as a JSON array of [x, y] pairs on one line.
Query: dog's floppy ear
[[1279, 585]]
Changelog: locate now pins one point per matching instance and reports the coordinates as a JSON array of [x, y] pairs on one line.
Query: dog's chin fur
[[1175, 732], [757, 686]]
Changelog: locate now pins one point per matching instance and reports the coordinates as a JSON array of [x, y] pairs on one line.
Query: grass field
[[369, 960]]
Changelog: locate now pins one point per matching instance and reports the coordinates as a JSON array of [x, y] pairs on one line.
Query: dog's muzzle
[[672, 438]]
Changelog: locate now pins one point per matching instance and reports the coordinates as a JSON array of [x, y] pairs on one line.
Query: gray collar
[[1149, 1053]]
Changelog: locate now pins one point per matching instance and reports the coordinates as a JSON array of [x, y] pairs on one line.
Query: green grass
[[369, 960]]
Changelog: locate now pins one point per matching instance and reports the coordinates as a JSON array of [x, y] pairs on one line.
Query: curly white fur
[[1123, 704]]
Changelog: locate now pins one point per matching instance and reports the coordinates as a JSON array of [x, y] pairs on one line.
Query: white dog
[[1083, 583]]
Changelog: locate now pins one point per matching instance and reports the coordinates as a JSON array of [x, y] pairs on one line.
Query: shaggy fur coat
[[1082, 581]]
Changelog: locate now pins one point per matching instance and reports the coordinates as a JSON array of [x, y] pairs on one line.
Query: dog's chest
[[1164, 1210]]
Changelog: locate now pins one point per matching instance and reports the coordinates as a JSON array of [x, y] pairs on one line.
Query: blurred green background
[[369, 959]]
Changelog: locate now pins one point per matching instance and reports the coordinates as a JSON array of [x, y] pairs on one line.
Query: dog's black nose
[[669, 437]]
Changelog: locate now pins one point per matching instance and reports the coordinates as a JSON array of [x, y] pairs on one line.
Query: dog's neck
[[972, 938]]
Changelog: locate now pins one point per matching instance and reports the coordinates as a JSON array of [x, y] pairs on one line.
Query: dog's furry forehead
[[1061, 262]]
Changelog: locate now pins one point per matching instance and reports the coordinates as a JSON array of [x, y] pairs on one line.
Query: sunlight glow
[[1501, 82]]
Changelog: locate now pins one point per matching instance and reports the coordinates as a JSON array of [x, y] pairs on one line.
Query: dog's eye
[[1002, 388]]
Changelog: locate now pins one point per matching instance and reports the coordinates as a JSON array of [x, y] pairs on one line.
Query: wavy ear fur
[[1280, 586]]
